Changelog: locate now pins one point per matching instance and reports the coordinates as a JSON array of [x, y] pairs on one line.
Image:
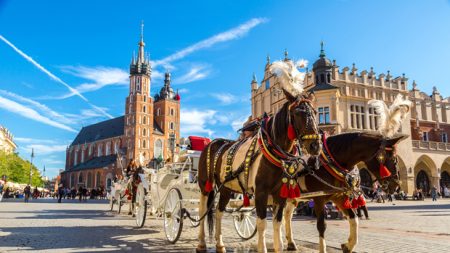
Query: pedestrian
[[60, 192], [80, 193], [27, 192], [434, 193], [1, 190]]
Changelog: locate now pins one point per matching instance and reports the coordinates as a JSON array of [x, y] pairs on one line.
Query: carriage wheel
[[140, 206], [173, 215], [245, 223]]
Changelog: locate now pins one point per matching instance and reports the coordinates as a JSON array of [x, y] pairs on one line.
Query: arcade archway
[[423, 182]]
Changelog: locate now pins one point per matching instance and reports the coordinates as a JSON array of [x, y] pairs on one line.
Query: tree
[[18, 170]]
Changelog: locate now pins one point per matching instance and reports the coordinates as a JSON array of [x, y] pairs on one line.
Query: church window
[[143, 144], [82, 155], [324, 115], [144, 132], [158, 151], [172, 125], [172, 112], [158, 112], [267, 84], [144, 109], [90, 149], [116, 147], [145, 98], [75, 158], [99, 150], [144, 120], [108, 148]]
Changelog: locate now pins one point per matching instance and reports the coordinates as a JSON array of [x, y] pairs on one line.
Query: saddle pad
[[238, 160]]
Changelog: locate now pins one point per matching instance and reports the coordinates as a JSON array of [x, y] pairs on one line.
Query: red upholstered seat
[[198, 143]]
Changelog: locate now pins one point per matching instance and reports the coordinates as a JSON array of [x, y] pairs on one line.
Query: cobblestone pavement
[[45, 226]]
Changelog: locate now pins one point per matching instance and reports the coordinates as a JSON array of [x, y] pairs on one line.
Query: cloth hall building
[[149, 129], [342, 103]]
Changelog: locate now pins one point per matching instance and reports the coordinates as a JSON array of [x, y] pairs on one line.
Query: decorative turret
[[323, 69], [166, 91], [142, 64], [254, 83]]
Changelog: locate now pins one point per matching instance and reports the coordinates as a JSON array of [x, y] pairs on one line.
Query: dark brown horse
[[340, 155], [295, 123]]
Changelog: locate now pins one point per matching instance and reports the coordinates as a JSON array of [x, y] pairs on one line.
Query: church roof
[[96, 162], [100, 131], [157, 129], [323, 86]]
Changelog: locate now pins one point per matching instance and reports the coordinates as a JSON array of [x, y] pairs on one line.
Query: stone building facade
[[342, 103], [148, 129], [7, 141]]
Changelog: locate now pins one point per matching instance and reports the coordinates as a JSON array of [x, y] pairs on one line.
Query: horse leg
[[277, 221], [261, 199], [288, 212], [201, 233], [353, 237], [321, 225], [225, 196]]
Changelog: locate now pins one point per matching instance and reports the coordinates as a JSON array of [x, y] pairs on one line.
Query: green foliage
[[18, 170]]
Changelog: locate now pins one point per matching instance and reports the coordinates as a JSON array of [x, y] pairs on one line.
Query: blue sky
[[50, 50]]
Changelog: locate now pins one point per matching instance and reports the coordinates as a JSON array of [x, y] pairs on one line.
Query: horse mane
[[279, 122], [341, 142]]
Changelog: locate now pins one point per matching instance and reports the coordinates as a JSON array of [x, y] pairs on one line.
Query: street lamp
[[31, 164], [172, 144]]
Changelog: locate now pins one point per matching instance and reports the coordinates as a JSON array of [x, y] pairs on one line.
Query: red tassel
[[297, 191], [347, 204], [361, 200], [294, 192], [291, 132], [354, 203], [246, 200], [208, 186], [384, 172], [284, 192]]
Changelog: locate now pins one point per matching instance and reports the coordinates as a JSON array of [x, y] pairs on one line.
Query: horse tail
[[210, 214]]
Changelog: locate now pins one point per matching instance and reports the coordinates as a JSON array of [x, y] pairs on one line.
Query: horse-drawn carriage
[[172, 193]]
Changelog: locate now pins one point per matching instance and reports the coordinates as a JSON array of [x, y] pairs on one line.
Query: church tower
[[138, 107], [167, 115]]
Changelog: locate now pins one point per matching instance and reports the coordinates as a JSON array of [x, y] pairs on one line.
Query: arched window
[[144, 132], [75, 158], [82, 155], [80, 178], [108, 148], [90, 149], [145, 97], [322, 78], [98, 180], [172, 112], [144, 109], [329, 78], [172, 126], [89, 180], [116, 147], [158, 150], [99, 150], [143, 144], [158, 112], [144, 120]]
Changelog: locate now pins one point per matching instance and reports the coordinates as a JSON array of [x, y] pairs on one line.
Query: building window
[[172, 126], [143, 144], [357, 117], [144, 109], [116, 148], [158, 112], [145, 97], [267, 84], [373, 119], [144, 120], [75, 158], [90, 149], [158, 151], [144, 132], [99, 150], [324, 115], [172, 112], [82, 155], [444, 137], [425, 136], [108, 148]]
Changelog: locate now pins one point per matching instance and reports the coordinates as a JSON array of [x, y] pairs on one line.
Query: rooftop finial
[[254, 77], [142, 30], [322, 52], [286, 54], [268, 59]]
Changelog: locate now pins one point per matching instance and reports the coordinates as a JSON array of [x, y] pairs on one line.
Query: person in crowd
[[27, 192], [311, 208], [60, 192], [434, 193], [85, 193], [80, 193], [1, 191]]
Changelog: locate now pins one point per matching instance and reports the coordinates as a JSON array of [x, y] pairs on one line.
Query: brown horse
[[295, 123], [333, 180]]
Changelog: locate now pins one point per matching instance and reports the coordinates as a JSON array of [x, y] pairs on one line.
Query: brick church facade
[[148, 129]]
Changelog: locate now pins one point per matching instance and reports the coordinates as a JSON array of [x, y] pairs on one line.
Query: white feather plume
[[290, 78], [391, 117]]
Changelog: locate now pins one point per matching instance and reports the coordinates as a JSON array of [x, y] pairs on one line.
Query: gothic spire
[[141, 54], [322, 52]]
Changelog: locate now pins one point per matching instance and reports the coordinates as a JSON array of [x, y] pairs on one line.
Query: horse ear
[[396, 139], [289, 96]]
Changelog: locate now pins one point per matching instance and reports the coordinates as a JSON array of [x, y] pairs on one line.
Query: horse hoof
[[201, 249], [291, 247], [345, 248], [221, 249]]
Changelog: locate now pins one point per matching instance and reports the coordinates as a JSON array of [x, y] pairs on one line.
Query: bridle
[[308, 112], [381, 158]]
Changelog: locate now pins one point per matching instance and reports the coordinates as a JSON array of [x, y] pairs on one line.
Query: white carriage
[[117, 195], [172, 193]]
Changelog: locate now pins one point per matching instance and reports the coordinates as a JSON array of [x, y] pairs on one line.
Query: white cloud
[[194, 122], [232, 34], [100, 76], [51, 75], [237, 123], [30, 113], [196, 73], [183, 91], [31, 140], [225, 98], [52, 161], [40, 149]]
